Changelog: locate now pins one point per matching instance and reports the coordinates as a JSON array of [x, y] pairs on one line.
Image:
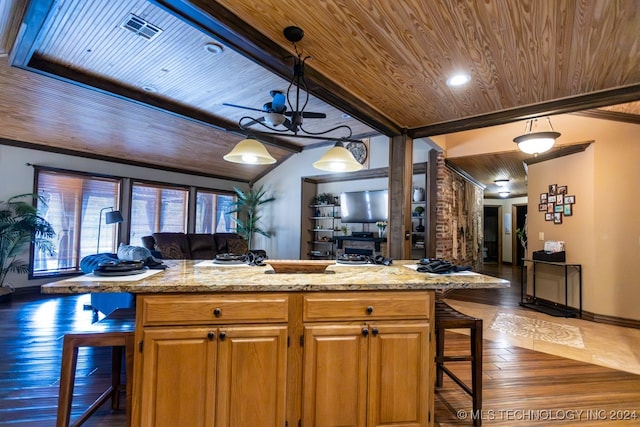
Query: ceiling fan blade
[[287, 123], [242, 106], [311, 115], [253, 122]]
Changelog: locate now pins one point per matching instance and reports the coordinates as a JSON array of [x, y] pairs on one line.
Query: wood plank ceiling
[[378, 67]]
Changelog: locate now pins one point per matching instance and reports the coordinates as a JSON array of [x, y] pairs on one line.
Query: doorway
[[492, 241], [520, 215]]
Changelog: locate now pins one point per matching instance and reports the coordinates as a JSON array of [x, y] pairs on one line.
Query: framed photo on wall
[[543, 197], [567, 210], [542, 207], [548, 216], [557, 218]]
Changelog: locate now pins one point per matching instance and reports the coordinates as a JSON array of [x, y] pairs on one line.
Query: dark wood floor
[[520, 385]]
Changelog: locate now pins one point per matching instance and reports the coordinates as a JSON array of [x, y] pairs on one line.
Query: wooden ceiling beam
[[221, 24], [559, 106]]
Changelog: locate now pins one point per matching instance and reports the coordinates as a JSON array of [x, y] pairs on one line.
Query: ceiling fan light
[[274, 119], [249, 151], [338, 159]]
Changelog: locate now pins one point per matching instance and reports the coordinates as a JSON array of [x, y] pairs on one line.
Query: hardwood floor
[[521, 386]]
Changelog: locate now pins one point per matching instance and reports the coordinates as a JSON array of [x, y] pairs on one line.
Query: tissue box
[[549, 256]]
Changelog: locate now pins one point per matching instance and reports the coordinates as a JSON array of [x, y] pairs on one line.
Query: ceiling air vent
[[141, 27]]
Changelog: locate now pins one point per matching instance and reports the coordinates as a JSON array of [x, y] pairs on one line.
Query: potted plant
[[21, 225], [325, 198], [246, 206]]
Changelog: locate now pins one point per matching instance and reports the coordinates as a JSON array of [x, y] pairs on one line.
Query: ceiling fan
[[276, 114]]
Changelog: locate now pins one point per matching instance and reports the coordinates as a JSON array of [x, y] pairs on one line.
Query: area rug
[[537, 329]]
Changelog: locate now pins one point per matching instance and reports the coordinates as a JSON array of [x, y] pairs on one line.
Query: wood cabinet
[[373, 372], [218, 373], [326, 359]]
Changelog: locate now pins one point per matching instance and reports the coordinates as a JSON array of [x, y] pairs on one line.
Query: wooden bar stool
[[449, 318], [117, 331]]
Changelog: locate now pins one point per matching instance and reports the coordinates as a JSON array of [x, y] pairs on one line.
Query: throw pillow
[[133, 253], [237, 246], [91, 262], [170, 250]]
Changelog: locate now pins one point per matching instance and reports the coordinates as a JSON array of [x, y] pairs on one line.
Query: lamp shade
[[113, 217], [537, 142], [249, 151], [338, 159]]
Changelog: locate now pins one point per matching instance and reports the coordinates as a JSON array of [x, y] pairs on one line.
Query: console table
[[549, 307]]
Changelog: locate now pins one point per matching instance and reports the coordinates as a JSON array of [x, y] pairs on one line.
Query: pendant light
[[536, 142], [249, 151], [338, 159]]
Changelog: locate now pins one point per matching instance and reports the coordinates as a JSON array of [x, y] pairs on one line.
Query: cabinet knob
[[217, 312], [375, 331], [370, 309], [222, 335], [211, 336], [365, 332]]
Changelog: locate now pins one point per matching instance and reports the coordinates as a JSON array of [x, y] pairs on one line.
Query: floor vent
[[141, 27]]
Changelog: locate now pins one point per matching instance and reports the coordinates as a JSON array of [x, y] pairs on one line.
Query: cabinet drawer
[[366, 305], [214, 309]]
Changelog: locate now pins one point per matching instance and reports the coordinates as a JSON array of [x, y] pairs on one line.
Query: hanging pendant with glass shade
[[536, 142], [338, 159], [249, 151]]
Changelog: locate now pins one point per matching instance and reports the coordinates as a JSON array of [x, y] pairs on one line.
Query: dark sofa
[[194, 245]]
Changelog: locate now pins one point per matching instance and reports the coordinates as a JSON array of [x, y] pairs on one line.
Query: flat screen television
[[364, 206]]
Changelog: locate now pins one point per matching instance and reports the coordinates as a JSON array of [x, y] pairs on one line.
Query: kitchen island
[[245, 346]]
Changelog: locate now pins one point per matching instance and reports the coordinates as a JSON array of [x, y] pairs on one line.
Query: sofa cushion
[[222, 239], [202, 246], [237, 246], [172, 245]]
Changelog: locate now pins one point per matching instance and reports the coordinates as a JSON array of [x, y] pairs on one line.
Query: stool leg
[[67, 381], [116, 371], [439, 355], [476, 371]]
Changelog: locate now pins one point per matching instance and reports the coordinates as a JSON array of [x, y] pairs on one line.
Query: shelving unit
[[325, 220], [418, 237]]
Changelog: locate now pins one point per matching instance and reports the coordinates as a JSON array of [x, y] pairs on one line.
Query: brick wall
[[458, 217]]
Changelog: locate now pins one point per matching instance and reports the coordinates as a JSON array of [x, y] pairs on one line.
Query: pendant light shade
[[250, 151], [536, 142], [338, 159]]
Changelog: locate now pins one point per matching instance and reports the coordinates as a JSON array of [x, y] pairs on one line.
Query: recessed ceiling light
[[345, 116], [149, 88], [504, 193], [213, 48], [458, 80]]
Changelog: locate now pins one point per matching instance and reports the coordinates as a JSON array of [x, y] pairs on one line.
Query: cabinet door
[[399, 378], [334, 376], [252, 363], [178, 378]]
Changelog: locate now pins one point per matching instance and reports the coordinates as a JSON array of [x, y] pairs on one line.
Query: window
[[74, 204], [157, 208], [213, 212]]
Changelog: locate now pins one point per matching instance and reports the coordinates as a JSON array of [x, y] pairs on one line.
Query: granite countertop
[[191, 276]]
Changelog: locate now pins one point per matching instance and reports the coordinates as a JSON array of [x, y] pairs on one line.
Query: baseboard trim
[[611, 320]]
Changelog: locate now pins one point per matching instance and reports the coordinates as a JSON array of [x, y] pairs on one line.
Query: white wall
[[16, 177]]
